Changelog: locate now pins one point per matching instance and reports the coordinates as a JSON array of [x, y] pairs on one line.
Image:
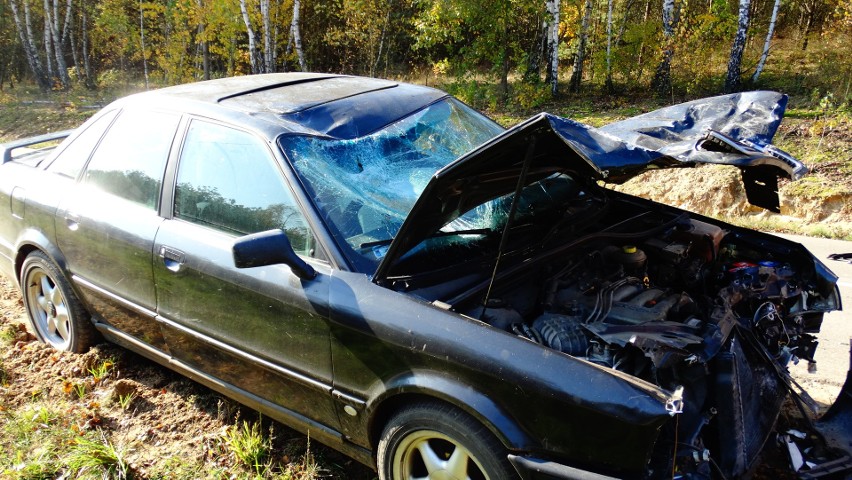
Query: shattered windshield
[[365, 187]]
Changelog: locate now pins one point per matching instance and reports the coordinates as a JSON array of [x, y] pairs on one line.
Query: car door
[[261, 330], [106, 225]]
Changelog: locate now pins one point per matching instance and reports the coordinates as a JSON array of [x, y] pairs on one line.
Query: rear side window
[[71, 160], [130, 161], [228, 180]]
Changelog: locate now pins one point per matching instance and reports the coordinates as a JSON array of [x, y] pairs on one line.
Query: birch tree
[[296, 36], [53, 40], [254, 53], [268, 43], [732, 79], [662, 82], [580, 57], [25, 34], [766, 44], [553, 45]]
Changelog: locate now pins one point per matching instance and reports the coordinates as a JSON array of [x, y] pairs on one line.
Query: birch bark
[[553, 45], [25, 34], [766, 44], [732, 79], [297, 37]]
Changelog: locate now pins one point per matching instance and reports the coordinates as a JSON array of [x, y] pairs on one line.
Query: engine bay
[[711, 313]]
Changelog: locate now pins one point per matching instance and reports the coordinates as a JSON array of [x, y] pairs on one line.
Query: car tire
[[55, 314], [431, 440]]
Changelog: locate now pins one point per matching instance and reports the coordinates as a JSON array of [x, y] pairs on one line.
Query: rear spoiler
[[6, 149]]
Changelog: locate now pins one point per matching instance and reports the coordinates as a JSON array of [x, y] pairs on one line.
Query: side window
[[71, 160], [131, 159], [228, 180]]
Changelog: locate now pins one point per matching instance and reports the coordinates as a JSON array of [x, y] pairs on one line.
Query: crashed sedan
[[382, 267]]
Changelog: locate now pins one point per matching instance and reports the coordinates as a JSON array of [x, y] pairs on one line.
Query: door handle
[[173, 258]]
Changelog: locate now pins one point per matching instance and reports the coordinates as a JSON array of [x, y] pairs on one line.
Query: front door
[[262, 330]]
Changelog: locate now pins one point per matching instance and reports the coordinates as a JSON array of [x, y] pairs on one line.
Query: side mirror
[[271, 247]]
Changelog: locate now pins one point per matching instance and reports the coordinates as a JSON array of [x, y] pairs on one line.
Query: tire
[[55, 314], [425, 440]]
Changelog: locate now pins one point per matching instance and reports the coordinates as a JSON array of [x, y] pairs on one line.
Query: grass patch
[[249, 445], [98, 457]]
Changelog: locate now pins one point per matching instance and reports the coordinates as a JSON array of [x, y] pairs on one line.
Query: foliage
[[247, 442]]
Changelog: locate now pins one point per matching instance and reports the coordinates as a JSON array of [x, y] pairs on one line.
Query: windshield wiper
[[438, 234]]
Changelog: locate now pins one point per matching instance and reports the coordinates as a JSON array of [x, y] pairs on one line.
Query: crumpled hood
[[733, 130]]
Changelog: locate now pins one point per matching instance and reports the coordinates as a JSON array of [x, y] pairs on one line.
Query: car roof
[[337, 106]]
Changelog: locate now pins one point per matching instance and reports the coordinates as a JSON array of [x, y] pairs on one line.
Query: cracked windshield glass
[[365, 187]]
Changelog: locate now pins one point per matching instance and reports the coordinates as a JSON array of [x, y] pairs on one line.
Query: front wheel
[[438, 442], [55, 314]]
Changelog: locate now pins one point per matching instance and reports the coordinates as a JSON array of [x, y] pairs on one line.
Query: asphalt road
[[833, 352]]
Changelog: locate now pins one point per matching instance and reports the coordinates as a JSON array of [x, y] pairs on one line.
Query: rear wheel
[[438, 442], [55, 314]]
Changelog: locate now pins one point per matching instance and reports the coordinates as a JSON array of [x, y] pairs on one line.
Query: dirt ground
[[173, 427]]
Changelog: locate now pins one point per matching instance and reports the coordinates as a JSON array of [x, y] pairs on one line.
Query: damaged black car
[[382, 267]]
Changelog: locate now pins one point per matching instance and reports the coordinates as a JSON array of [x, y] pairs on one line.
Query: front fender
[[386, 398]]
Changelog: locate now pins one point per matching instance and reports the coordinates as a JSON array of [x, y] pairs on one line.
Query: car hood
[[733, 130]]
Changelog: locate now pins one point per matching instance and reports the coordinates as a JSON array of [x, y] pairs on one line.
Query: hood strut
[[522, 180]]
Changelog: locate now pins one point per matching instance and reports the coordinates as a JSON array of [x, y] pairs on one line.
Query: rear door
[[262, 330], [106, 226]]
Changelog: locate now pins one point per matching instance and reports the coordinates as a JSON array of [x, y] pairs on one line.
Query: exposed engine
[[693, 308]]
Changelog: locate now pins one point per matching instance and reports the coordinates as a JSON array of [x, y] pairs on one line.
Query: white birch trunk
[[268, 57], [553, 45], [732, 79], [47, 44], [53, 21], [26, 36], [297, 37], [255, 64], [766, 44]]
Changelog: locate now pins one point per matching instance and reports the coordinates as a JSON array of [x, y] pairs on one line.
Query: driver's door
[[261, 330]]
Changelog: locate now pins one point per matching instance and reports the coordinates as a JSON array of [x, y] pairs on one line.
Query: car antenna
[[522, 179]]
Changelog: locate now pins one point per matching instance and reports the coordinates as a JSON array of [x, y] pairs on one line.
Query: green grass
[[97, 457], [249, 445]]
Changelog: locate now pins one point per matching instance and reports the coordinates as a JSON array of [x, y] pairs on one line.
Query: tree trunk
[[47, 44], [142, 42], [87, 65], [297, 37], [769, 33], [577, 71], [553, 46], [52, 22], [642, 45], [809, 21], [268, 57], [375, 65], [75, 52], [608, 82], [732, 79], [662, 82], [256, 66], [25, 34]]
